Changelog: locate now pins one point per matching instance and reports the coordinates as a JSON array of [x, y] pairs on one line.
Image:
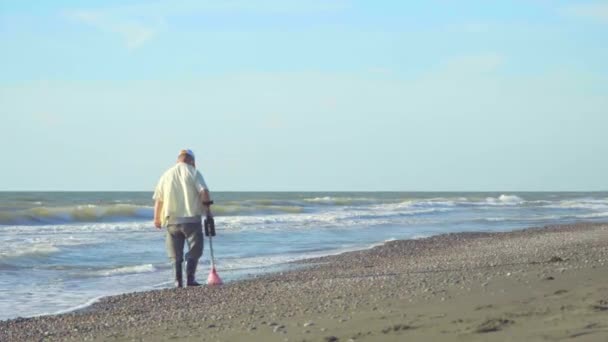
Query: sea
[[62, 251]]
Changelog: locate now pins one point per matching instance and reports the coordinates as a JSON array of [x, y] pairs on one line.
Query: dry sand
[[542, 284]]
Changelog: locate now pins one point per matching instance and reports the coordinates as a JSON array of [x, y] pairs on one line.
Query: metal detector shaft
[[211, 250]]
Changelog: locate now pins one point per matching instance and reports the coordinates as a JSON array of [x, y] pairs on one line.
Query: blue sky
[[305, 95]]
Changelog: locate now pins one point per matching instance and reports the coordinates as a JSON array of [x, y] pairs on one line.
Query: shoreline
[[259, 272], [399, 289]]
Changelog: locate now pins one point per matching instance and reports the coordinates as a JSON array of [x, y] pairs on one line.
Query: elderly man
[[181, 198]]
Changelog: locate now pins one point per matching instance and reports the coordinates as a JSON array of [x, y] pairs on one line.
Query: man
[[181, 197]]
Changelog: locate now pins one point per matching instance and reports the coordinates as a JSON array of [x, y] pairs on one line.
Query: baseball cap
[[187, 152]]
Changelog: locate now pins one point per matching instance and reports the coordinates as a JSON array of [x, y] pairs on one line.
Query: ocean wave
[[123, 212], [505, 200], [22, 248], [72, 234], [146, 268], [341, 201], [73, 308], [30, 250], [429, 203], [442, 202], [495, 219], [591, 204], [528, 219], [252, 208], [245, 263], [381, 243], [79, 213], [592, 215], [375, 217], [127, 212], [330, 219], [300, 213], [128, 217]]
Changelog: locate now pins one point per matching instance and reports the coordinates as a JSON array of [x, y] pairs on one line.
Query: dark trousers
[[177, 234]]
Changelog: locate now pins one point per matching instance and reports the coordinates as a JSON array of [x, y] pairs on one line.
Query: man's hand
[[158, 209], [207, 202], [209, 213]]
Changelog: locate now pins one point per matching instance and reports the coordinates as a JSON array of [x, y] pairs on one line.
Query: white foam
[[420, 236], [505, 200], [74, 308], [381, 243], [274, 260], [510, 199], [580, 204], [341, 200], [325, 199], [79, 228], [434, 203], [41, 249], [147, 268], [494, 219], [593, 215], [21, 245]]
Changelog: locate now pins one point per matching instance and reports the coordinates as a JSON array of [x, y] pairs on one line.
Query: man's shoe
[[177, 270], [191, 282], [190, 271]]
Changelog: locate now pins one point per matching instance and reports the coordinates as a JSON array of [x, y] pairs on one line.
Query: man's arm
[[158, 209], [206, 199], [203, 193]]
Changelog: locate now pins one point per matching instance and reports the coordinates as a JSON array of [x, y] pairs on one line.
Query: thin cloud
[[134, 33], [168, 8], [378, 70], [596, 11], [172, 7], [475, 27], [139, 23], [486, 62]]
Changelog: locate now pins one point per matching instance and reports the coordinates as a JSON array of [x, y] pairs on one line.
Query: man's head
[[186, 156]]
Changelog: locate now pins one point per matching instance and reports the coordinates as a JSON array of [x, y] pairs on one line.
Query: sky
[[285, 95]]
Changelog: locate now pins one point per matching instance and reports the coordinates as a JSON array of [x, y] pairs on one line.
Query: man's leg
[[175, 251], [194, 237]]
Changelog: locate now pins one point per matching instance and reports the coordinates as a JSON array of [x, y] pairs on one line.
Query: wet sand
[[539, 284]]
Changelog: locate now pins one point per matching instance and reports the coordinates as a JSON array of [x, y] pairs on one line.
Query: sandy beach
[[538, 284]]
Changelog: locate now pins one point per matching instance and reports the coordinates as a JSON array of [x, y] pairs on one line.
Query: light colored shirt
[[179, 189]]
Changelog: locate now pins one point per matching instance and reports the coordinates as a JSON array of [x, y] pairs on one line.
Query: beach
[[60, 251], [372, 170], [538, 284]]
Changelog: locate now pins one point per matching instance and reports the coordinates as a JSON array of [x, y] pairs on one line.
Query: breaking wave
[[79, 213], [505, 200], [35, 250], [147, 268], [341, 201], [331, 208]]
